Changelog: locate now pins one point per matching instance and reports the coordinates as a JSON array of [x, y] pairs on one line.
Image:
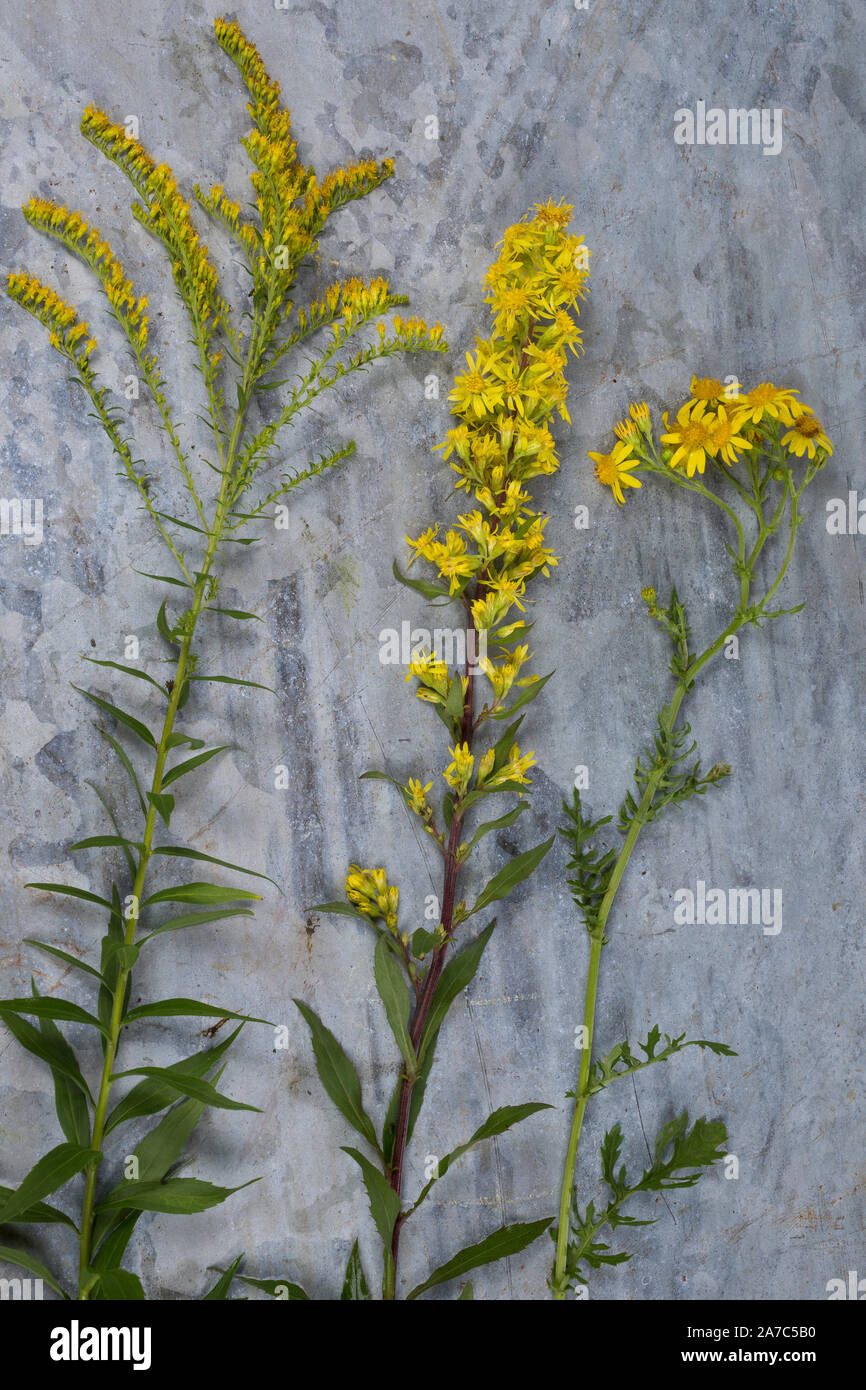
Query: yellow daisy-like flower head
[[707, 389], [806, 436], [691, 438], [458, 772], [770, 400], [614, 469], [725, 428], [418, 796]]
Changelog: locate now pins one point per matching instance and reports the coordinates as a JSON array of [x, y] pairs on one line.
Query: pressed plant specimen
[[741, 452], [513, 386], [238, 356]]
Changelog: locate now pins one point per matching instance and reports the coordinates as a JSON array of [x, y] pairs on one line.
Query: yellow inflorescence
[[372, 895], [719, 423], [165, 211], [74, 230], [66, 330]]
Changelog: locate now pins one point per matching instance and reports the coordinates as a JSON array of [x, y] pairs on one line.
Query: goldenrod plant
[[482, 565], [740, 451], [249, 403]]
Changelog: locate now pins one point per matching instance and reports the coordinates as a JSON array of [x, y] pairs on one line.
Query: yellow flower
[[691, 438], [475, 393], [418, 796], [638, 423], [806, 436], [614, 470], [767, 399], [369, 891], [726, 436], [459, 771], [707, 389]]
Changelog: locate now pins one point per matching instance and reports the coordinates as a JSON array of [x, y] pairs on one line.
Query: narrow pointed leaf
[[49, 1008], [129, 671], [195, 919], [180, 853], [508, 1240], [355, 1286], [182, 768], [457, 974], [338, 1076], [183, 1084], [72, 892], [25, 1261], [64, 956], [394, 993], [116, 1285], [50, 1172], [220, 1290], [185, 1008], [384, 1202], [209, 893], [176, 1196], [131, 723], [520, 867]]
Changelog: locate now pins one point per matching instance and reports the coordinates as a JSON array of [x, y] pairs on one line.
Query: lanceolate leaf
[[394, 993], [183, 1084], [277, 1288], [191, 763], [178, 852], [354, 1284], [72, 892], [115, 1285], [51, 1172], [513, 873], [235, 680], [499, 824], [384, 1202], [25, 1261], [220, 1290], [497, 1123], [177, 1196], [154, 1094], [209, 893], [508, 1240], [195, 919], [129, 671], [64, 956], [338, 1076], [185, 1008], [40, 1213], [457, 974], [131, 723], [49, 1008]]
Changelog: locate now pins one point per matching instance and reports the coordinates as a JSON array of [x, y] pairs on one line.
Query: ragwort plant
[[740, 452], [240, 359], [506, 399]]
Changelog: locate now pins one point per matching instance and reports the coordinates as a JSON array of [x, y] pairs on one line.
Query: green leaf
[[497, 1123], [235, 680], [338, 1076], [50, 1172], [176, 1196], [355, 1287], [457, 974], [220, 1290], [71, 1094], [508, 1240], [134, 724], [129, 671], [163, 627], [384, 1201], [49, 1008], [195, 919], [528, 695], [394, 993], [466, 1292], [72, 892], [125, 759], [508, 819], [152, 1095], [205, 893], [234, 612], [39, 1214], [106, 842], [277, 1288], [181, 768], [163, 578], [185, 1008], [184, 1084], [64, 956], [116, 1285], [25, 1261], [519, 868], [422, 586], [163, 803], [180, 853], [423, 942]]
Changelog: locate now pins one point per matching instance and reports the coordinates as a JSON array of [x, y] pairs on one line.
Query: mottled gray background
[[713, 260]]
